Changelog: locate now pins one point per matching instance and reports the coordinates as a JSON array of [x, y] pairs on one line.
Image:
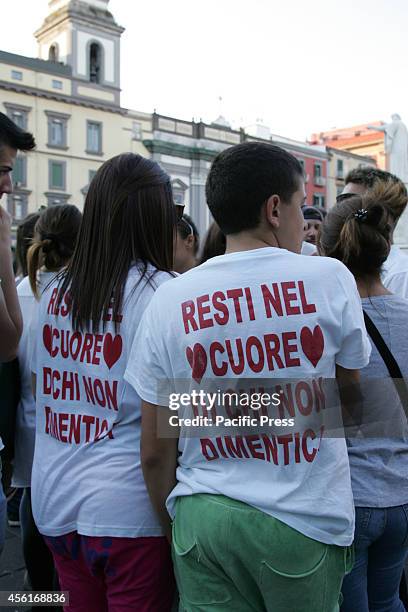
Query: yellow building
[[358, 139], [70, 100]]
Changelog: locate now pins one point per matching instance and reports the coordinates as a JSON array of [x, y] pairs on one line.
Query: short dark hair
[[369, 177], [243, 177], [13, 136]]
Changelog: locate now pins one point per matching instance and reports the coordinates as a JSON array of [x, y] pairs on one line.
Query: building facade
[[186, 149], [358, 139], [70, 100]]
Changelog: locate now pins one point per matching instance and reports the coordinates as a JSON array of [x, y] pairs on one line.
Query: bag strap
[[388, 358]]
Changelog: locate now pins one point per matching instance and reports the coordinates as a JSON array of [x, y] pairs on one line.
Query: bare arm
[[11, 322], [350, 396], [377, 128], [159, 462]]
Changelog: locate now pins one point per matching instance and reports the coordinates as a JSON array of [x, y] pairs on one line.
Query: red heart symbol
[[112, 349], [197, 358], [47, 337], [312, 344]]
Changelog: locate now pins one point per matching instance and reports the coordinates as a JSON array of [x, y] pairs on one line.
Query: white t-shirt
[[395, 272], [86, 474], [267, 314], [25, 418], [308, 248]]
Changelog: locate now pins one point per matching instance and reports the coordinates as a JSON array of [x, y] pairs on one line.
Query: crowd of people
[[116, 310]]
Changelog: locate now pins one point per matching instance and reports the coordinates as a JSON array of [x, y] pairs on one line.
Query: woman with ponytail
[[357, 232], [55, 234]]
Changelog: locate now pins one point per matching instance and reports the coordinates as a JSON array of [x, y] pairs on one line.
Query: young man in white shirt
[[261, 521], [395, 270], [12, 139]]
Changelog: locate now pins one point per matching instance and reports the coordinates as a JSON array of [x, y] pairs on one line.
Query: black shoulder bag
[[389, 360]]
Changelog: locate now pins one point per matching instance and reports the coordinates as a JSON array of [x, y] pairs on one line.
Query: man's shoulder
[[322, 265]]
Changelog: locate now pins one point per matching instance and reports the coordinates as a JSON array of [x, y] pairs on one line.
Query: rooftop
[[35, 64]]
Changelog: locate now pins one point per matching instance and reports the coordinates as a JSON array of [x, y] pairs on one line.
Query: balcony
[[319, 180]]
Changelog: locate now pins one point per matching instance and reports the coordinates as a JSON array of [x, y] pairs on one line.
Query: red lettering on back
[[203, 309], [289, 297], [188, 310]]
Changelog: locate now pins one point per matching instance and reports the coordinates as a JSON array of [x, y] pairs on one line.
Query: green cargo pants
[[228, 556]]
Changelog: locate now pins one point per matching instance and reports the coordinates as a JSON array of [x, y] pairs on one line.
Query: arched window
[[95, 63], [53, 53]]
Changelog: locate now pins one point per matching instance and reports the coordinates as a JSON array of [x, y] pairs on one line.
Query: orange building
[[357, 139]]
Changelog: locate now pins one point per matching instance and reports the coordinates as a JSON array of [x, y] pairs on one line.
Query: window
[[340, 169], [56, 84], [20, 172], [179, 189], [53, 53], [17, 75], [53, 199], [19, 119], [95, 63], [94, 137], [57, 130], [91, 175], [18, 114], [136, 130], [318, 200], [339, 190], [56, 133], [17, 205], [318, 177], [57, 175], [178, 198]]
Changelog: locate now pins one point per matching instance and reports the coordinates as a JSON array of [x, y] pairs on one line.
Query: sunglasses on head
[[345, 196], [187, 224]]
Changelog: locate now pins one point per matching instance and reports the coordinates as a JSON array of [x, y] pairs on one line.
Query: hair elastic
[[361, 215]]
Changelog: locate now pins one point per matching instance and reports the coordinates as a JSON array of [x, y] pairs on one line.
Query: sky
[[299, 66]]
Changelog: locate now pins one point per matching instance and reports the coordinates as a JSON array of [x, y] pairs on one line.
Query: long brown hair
[[214, 243], [25, 234], [55, 235], [357, 229], [129, 217]]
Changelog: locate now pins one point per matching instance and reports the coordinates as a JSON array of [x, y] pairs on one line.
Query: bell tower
[[84, 35]]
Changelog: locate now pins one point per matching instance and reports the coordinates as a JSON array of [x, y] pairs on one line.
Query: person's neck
[[371, 286], [190, 263], [249, 242]]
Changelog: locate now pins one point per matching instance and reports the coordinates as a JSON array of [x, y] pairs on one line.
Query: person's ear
[[189, 241], [273, 210]]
